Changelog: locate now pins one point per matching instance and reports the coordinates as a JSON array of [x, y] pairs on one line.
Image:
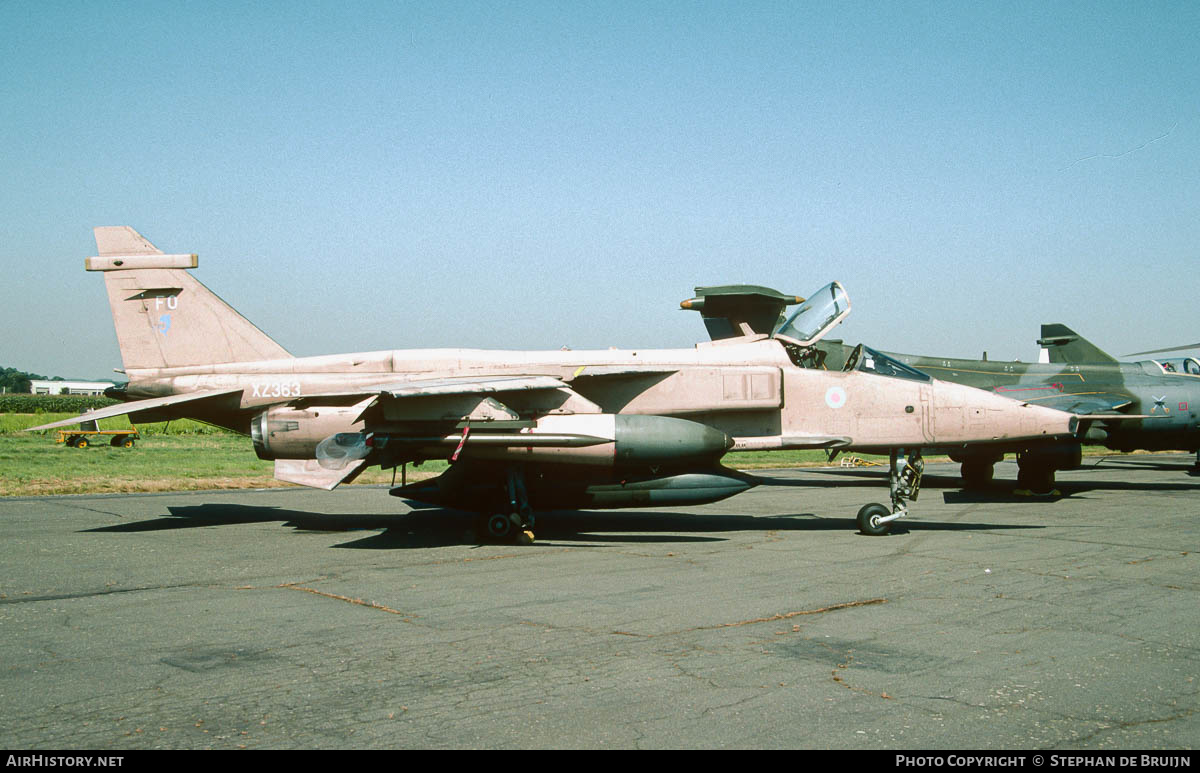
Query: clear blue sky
[[359, 175]]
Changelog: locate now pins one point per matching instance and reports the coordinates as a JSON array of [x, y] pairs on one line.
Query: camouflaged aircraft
[[530, 430], [1125, 406]]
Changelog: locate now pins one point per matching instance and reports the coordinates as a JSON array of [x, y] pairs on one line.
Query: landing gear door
[[927, 413], [822, 312]]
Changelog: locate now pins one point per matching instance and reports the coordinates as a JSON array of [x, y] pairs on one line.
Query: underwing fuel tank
[[598, 440], [563, 488], [602, 440], [593, 461], [694, 488], [334, 436]]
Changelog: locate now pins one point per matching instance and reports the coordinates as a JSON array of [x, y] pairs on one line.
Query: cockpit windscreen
[[872, 361]]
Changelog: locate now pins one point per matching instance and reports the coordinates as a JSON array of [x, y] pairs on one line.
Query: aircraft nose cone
[[985, 416], [1039, 421]]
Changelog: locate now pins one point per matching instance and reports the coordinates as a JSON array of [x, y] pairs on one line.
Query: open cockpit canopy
[[820, 313]]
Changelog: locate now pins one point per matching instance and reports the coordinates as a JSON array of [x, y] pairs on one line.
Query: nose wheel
[[870, 520], [904, 483]]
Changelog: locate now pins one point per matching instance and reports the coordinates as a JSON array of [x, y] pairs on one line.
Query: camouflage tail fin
[[1066, 346], [164, 317]]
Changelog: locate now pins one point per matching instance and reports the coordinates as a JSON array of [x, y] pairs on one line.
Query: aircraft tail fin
[[166, 318], [122, 240], [1064, 345]]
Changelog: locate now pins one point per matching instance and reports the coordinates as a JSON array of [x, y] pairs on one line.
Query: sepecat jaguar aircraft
[[528, 431]]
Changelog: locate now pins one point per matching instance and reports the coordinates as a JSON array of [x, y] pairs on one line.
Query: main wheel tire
[[977, 474], [81, 443], [868, 520], [499, 526], [1039, 480]]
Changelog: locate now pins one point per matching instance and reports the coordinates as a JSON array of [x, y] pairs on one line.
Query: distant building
[[69, 387]]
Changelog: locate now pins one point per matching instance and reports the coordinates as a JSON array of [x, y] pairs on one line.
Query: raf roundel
[[835, 397]]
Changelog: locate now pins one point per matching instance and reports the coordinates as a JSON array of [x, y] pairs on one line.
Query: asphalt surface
[[292, 618]]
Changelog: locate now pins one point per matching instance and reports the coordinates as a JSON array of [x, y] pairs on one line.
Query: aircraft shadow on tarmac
[[436, 527], [1004, 490], [1144, 462]]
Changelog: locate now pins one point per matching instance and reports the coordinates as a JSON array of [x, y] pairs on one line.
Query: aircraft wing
[[619, 371], [439, 398], [473, 385], [1083, 404], [154, 403], [439, 387], [399, 390], [1087, 406], [431, 387], [406, 397], [470, 386]]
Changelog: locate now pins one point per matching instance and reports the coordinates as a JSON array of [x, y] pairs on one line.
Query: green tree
[[13, 380]]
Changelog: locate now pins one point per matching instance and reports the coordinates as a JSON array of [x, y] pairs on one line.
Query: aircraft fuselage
[[751, 391]]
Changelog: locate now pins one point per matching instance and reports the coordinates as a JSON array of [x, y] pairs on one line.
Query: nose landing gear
[[904, 483]]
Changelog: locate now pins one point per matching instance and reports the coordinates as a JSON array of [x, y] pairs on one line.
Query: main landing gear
[[517, 523], [904, 482], [1036, 468], [1034, 478], [977, 472]]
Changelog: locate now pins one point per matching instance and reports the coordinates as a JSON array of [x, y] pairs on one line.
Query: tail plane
[[164, 317]]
